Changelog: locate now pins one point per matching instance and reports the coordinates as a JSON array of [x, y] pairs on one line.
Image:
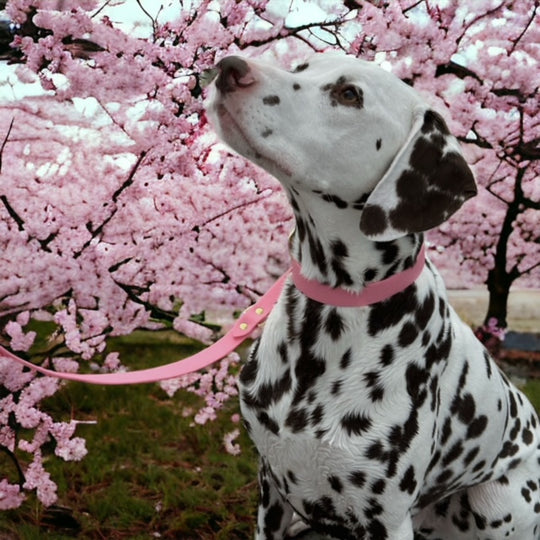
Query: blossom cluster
[[216, 385]]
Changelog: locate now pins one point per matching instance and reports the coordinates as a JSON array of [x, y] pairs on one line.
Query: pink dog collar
[[371, 294]]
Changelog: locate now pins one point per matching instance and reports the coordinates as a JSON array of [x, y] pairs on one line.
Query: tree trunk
[[500, 279], [498, 284]]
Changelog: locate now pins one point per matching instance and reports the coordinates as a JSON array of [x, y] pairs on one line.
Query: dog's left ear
[[426, 183]]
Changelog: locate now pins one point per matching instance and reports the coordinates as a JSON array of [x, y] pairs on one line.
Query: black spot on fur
[[471, 456], [249, 371], [425, 310], [377, 530], [339, 249], [378, 144], [408, 481], [370, 274], [438, 352], [466, 408], [291, 303], [268, 393], [357, 478], [317, 415], [292, 477], [335, 483], [374, 509], [387, 355], [446, 430], [336, 387], [301, 67], [390, 312], [373, 220], [296, 86], [356, 424], [515, 430], [527, 436], [340, 203], [297, 420], [390, 251], [416, 384], [453, 454], [272, 520], [401, 436], [345, 359], [513, 405], [308, 366], [269, 423], [316, 252], [375, 451], [378, 486], [444, 476], [408, 334], [283, 352], [271, 100], [477, 427], [334, 325]]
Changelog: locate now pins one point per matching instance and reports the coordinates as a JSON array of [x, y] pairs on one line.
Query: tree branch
[[529, 203], [13, 214], [5, 141], [231, 209], [456, 69], [529, 150], [96, 232], [530, 269], [133, 291], [531, 19], [15, 461], [412, 6], [480, 17], [154, 20], [100, 9], [130, 178]]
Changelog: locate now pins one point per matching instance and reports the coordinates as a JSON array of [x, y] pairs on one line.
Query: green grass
[[532, 389], [148, 471]]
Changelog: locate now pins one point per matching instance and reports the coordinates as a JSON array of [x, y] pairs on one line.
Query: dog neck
[[329, 247]]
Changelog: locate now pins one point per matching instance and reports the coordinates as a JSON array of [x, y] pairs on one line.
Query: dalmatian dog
[[387, 421]]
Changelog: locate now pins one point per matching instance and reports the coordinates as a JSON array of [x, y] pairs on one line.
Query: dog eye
[[349, 95]]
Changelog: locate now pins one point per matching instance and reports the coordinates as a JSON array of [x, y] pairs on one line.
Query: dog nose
[[234, 73]]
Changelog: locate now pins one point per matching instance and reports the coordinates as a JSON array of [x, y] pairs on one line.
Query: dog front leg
[[274, 513]]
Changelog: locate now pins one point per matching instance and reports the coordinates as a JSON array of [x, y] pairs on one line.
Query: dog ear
[[426, 183]]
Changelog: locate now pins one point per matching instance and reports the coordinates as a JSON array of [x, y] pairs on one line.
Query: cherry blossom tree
[[119, 210]]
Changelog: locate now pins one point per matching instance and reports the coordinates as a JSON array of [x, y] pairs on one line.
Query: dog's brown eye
[[349, 94]]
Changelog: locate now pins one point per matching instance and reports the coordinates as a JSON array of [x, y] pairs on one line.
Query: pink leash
[[252, 317], [243, 327]]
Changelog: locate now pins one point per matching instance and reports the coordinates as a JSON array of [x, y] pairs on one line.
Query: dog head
[[347, 130]]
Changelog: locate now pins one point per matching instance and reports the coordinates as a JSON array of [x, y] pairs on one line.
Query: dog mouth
[[235, 135]]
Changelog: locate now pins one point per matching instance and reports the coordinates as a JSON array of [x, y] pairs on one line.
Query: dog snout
[[234, 73]]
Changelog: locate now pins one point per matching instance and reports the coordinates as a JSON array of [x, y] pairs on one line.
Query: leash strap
[[242, 329]]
